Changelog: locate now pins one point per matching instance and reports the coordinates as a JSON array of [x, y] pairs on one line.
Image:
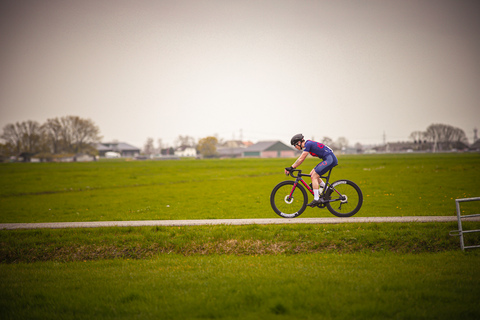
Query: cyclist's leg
[[316, 192], [315, 179], [316, 183], [329, 162]]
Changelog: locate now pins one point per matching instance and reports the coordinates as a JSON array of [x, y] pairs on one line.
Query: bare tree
[[53, 133], [185, 141], [342, 143], [12, 136], [69, 134], [328, 141], [24, 137], [445, 136], [419, 136], [148, 148], [84, 134]]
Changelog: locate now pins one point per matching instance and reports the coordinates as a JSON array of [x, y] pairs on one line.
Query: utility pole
[[385, 141]]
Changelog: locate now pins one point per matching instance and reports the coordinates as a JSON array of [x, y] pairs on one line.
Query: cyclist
[[319, 150]]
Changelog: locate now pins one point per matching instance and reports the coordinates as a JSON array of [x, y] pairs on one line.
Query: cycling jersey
[[317, 149]]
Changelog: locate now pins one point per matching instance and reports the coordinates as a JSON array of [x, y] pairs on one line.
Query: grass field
[[304, 286], [393, 185], [345, 271]]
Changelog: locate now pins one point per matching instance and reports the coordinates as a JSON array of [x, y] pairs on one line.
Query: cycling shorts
[[328, 163]]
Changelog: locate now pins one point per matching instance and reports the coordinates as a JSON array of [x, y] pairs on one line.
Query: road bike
[[343, 198]]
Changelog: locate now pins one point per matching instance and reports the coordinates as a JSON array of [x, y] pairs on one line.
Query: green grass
[[344, 271], [305, 286], [64, 245], [393, 185]]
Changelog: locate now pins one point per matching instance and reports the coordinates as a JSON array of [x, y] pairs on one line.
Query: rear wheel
[[286, 206], [345, 197]]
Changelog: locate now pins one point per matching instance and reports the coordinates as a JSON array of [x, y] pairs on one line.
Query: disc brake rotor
[[288, 200]]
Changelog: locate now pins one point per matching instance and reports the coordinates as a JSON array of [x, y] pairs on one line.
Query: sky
[[370, 71]]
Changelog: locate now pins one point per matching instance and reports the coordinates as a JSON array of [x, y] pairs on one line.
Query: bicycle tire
[[288, 208], [352, 201]]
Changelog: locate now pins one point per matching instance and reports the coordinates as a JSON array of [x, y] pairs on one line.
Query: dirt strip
[[174, 223]]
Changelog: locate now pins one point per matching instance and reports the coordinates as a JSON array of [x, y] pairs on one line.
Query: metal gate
[[460, 230]]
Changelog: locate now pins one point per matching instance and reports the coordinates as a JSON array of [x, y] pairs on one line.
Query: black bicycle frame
[[298, 179]]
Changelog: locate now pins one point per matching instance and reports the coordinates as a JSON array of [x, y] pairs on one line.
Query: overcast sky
[[257, 70]]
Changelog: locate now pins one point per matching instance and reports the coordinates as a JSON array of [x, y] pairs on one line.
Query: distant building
[[269, 149], [121, 148], [403, 147], [475, 146], [232, 148], [185, 151]]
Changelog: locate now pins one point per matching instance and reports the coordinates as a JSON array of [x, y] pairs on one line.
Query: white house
[[185, 152]]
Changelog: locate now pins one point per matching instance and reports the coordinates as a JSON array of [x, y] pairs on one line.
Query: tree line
[[71, 135], [67, 135], [441, 137], [436, 137]]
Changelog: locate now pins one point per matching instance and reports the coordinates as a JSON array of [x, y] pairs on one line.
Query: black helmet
[[296, 138]]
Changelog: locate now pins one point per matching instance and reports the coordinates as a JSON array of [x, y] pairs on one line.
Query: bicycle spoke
[[287, 204], [346, 199]]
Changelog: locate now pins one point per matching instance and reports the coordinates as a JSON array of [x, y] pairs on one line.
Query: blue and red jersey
[[317, 149]]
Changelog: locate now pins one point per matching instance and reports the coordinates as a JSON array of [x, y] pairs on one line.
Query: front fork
[[290, 196]]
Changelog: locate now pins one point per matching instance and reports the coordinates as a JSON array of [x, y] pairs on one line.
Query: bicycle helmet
[[296, 138]]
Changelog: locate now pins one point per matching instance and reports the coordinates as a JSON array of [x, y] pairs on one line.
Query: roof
[[476, 145], [101, 147], [116, 146], [268, 146]]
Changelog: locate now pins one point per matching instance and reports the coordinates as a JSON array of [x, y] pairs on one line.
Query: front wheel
[[288, 200], [345, 198]]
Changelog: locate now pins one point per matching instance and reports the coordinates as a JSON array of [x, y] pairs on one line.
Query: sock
[[322, 185], [315, 194]]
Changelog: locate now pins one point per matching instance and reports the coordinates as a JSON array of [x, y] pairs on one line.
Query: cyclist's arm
[[300, 160]]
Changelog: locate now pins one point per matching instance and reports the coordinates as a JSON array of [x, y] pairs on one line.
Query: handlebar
[[300, 174]]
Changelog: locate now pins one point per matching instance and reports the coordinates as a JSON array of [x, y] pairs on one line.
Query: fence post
[[460, 231]]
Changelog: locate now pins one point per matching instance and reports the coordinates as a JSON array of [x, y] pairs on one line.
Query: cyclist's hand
[[288, 170]]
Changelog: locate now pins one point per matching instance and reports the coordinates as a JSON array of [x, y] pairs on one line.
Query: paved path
[[173, 223]]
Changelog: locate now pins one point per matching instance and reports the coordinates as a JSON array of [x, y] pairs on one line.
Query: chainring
[[323, 205]]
